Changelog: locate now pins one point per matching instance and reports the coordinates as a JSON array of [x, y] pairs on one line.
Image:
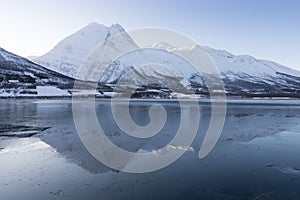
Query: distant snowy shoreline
[[202, 101]]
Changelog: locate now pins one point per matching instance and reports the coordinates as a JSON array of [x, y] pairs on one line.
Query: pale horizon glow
[[264, 29]]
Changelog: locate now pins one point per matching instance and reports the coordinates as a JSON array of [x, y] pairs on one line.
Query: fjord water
[[257, 156]]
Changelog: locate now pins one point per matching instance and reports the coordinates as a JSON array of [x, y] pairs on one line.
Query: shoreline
[[201, 101]]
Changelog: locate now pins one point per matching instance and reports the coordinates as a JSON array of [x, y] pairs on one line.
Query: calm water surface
[[257, 156]]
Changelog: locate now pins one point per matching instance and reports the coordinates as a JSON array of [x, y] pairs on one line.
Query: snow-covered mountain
[[21, 77], [242, 75], [67, 55]]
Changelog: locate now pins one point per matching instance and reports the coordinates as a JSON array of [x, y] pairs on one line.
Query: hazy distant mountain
[[31, 58]]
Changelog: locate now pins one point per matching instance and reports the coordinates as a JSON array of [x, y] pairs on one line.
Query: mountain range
[[56, 71]]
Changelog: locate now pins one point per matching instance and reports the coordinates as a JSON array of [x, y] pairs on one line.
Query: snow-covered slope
[[242, 75], [21, 77], [68, 54], [227, 62]]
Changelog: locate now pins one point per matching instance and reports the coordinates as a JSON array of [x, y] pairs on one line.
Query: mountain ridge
[[243, 75], [68, 54], [21, 77]]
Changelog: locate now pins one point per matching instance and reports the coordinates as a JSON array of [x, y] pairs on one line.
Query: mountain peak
[[117, 26], [114, 29], [93, 24], [67, 56], [93, 27]]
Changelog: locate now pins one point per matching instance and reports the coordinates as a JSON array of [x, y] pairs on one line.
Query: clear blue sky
[[268, 29]]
